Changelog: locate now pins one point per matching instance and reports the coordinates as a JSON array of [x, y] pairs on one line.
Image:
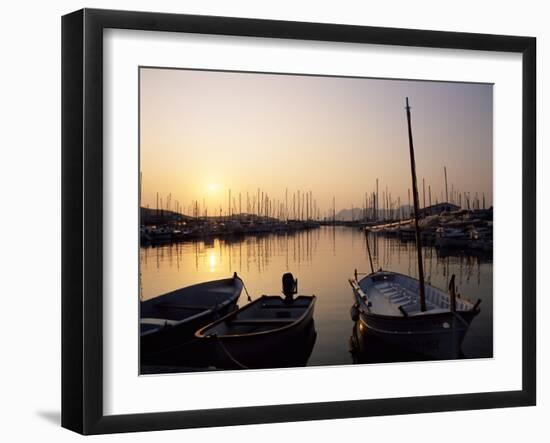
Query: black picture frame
[[82, 218]]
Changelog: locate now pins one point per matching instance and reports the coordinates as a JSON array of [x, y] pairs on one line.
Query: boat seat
[[157, 321], [399, 300], [386, 289], [383, 285]]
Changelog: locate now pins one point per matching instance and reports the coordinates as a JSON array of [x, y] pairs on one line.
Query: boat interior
[[266, 314], [390, 293], [183, 303]]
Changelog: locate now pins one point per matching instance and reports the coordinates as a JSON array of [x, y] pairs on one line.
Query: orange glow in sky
[[206, 132]]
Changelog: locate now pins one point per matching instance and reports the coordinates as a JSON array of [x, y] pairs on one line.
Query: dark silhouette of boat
[[272, 331], [169, 321]]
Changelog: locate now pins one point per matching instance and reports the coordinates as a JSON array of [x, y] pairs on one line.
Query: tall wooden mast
[[416, 210], [446, 189]]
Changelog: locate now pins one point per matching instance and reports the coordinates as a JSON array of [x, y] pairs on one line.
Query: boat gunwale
[[410, 317], [200, 333], [409, 332], [233, 299], [186, 288]]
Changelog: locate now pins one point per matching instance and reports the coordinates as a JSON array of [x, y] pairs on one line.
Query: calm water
[[323, 260]]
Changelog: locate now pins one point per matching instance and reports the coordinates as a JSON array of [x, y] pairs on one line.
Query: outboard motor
[[290, 286]]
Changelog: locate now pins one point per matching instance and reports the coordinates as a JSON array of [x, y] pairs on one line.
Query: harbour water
[[322, 260]]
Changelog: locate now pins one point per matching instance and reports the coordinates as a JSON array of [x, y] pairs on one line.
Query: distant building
[[438, 208]]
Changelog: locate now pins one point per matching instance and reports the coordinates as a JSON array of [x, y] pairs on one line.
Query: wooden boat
[[170, 320], [263, 333], [404, 311], [387, 305]]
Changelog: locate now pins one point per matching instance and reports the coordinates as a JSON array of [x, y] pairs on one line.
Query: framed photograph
[[256, 209]]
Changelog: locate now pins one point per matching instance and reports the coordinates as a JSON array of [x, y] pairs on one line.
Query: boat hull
[[164, 346], [288, 346], [437, 336], [288, 349], [387, 307]]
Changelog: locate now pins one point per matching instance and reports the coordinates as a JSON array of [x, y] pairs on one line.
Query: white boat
[[406, 312], [170, 320], [387, 305]]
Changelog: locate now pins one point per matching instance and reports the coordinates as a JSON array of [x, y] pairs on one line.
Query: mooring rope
[[233, 359], [246, 290]]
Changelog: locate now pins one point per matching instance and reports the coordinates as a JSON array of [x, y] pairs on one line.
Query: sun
[[212, 187]]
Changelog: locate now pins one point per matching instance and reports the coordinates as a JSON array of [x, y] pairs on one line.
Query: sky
[[205, 132]]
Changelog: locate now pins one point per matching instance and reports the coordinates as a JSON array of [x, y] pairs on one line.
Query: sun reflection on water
[[212, 260]]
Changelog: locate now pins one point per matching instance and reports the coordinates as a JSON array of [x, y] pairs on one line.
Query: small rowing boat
[[265, 332], [387, 305], [406, 312], [170, 320]]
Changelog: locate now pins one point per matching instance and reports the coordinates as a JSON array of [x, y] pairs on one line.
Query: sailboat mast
[[446, 189], [416, 210]]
